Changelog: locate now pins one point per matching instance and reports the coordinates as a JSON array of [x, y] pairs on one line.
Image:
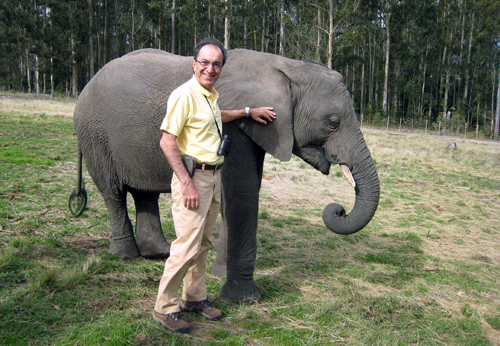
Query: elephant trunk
[[367, 196]]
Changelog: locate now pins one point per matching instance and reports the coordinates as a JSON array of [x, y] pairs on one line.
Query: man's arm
[[261, 114], [169, 146]]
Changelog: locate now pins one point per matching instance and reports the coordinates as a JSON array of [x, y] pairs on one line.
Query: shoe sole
[[216, 318], [180, 330]]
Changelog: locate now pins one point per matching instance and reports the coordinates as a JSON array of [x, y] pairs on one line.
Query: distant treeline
[[403, 59]]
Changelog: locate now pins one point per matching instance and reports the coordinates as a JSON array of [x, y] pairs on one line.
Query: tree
[[408, 59], [497, 114], [387, 22], [282, 27], [172, 50], [227, 24]]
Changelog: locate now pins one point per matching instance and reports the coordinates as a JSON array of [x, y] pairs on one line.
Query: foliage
[[443, 54]]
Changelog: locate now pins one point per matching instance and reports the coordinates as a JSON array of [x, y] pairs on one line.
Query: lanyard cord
[[218, 131]]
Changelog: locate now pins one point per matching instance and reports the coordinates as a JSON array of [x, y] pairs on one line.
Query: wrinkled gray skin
[[117, 121]]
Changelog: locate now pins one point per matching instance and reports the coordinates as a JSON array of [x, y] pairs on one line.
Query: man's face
[[208, 66]]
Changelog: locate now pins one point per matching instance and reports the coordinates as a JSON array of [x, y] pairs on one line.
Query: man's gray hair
[[213, 42]]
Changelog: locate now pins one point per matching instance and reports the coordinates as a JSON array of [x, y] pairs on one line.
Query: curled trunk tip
[[332, 215]]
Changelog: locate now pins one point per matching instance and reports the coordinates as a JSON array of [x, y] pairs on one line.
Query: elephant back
[[118, 116]]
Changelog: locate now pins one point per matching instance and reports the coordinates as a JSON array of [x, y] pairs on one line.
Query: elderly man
[[193, 127]]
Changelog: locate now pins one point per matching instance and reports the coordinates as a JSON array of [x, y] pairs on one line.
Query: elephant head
[[315, 121]]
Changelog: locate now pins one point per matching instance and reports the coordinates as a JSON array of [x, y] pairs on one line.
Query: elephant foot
[[219, 269], [160, 248], [124, 247], [240, 291]]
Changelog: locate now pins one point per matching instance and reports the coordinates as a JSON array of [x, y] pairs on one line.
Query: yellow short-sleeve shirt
[[191, 115]]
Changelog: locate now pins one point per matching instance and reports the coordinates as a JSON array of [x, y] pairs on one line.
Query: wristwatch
[[247, 110]]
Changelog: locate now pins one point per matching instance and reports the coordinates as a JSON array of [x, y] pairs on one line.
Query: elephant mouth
[[315, 157]]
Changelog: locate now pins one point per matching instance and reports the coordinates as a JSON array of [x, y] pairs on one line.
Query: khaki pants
[[188, 253]]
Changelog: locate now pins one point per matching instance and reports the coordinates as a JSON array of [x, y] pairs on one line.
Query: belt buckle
[[202, 166]]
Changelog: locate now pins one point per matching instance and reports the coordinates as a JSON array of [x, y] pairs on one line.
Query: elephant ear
[[254, 79]]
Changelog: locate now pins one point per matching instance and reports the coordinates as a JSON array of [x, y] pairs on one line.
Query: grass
[[425, 271]]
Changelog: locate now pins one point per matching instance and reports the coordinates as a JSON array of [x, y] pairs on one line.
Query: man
[[192, 127]]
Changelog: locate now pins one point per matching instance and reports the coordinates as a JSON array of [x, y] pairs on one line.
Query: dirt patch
[[86, 241]]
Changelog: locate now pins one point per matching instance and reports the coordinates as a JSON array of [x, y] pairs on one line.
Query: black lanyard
[[218, 131]]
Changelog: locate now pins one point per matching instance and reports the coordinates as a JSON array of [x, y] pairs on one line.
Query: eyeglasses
[[215, 65]]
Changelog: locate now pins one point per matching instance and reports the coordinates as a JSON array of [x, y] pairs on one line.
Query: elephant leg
[[122, 241], [242, 174], [148, 231]]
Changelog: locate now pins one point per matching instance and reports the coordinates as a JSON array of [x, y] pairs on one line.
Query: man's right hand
[[190, 194]]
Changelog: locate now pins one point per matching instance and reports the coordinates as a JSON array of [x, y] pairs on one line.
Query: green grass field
[[425, 271]]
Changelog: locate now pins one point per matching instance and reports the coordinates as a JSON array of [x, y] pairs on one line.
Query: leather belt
[[204, 166]]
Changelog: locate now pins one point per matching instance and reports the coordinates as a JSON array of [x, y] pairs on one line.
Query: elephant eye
[[334, 122]]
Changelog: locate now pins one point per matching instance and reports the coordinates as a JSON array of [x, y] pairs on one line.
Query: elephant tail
[[78, 199]]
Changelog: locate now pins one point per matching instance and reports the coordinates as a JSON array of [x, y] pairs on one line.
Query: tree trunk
[[282, 28], [446, 90], [385, 105], [422, 92], [263, 37], [371, 84], [105, 35], [28, 74], [51, 77], [173, 28], [362, 97], [74, 70], [460, 58], [395, 93], [226, 25], [115, 34], [99, 33], [353, 77], [318, 40], [133, 25], [195, 20], [91, 41], [209, 18], [37, 76], [493, 103], [245, 28], [467, 69], [497, 114], [441, 78], [74, 80], [330, 36], [447, 66]]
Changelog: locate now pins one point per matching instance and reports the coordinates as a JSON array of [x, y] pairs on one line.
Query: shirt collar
[[214, 94]]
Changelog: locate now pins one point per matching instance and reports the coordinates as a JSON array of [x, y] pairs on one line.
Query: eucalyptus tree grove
[[404, 60]]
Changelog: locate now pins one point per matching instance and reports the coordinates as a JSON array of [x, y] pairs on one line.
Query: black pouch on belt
[[190, 164]]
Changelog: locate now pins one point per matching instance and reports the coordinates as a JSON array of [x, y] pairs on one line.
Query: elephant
[[117, 119]]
